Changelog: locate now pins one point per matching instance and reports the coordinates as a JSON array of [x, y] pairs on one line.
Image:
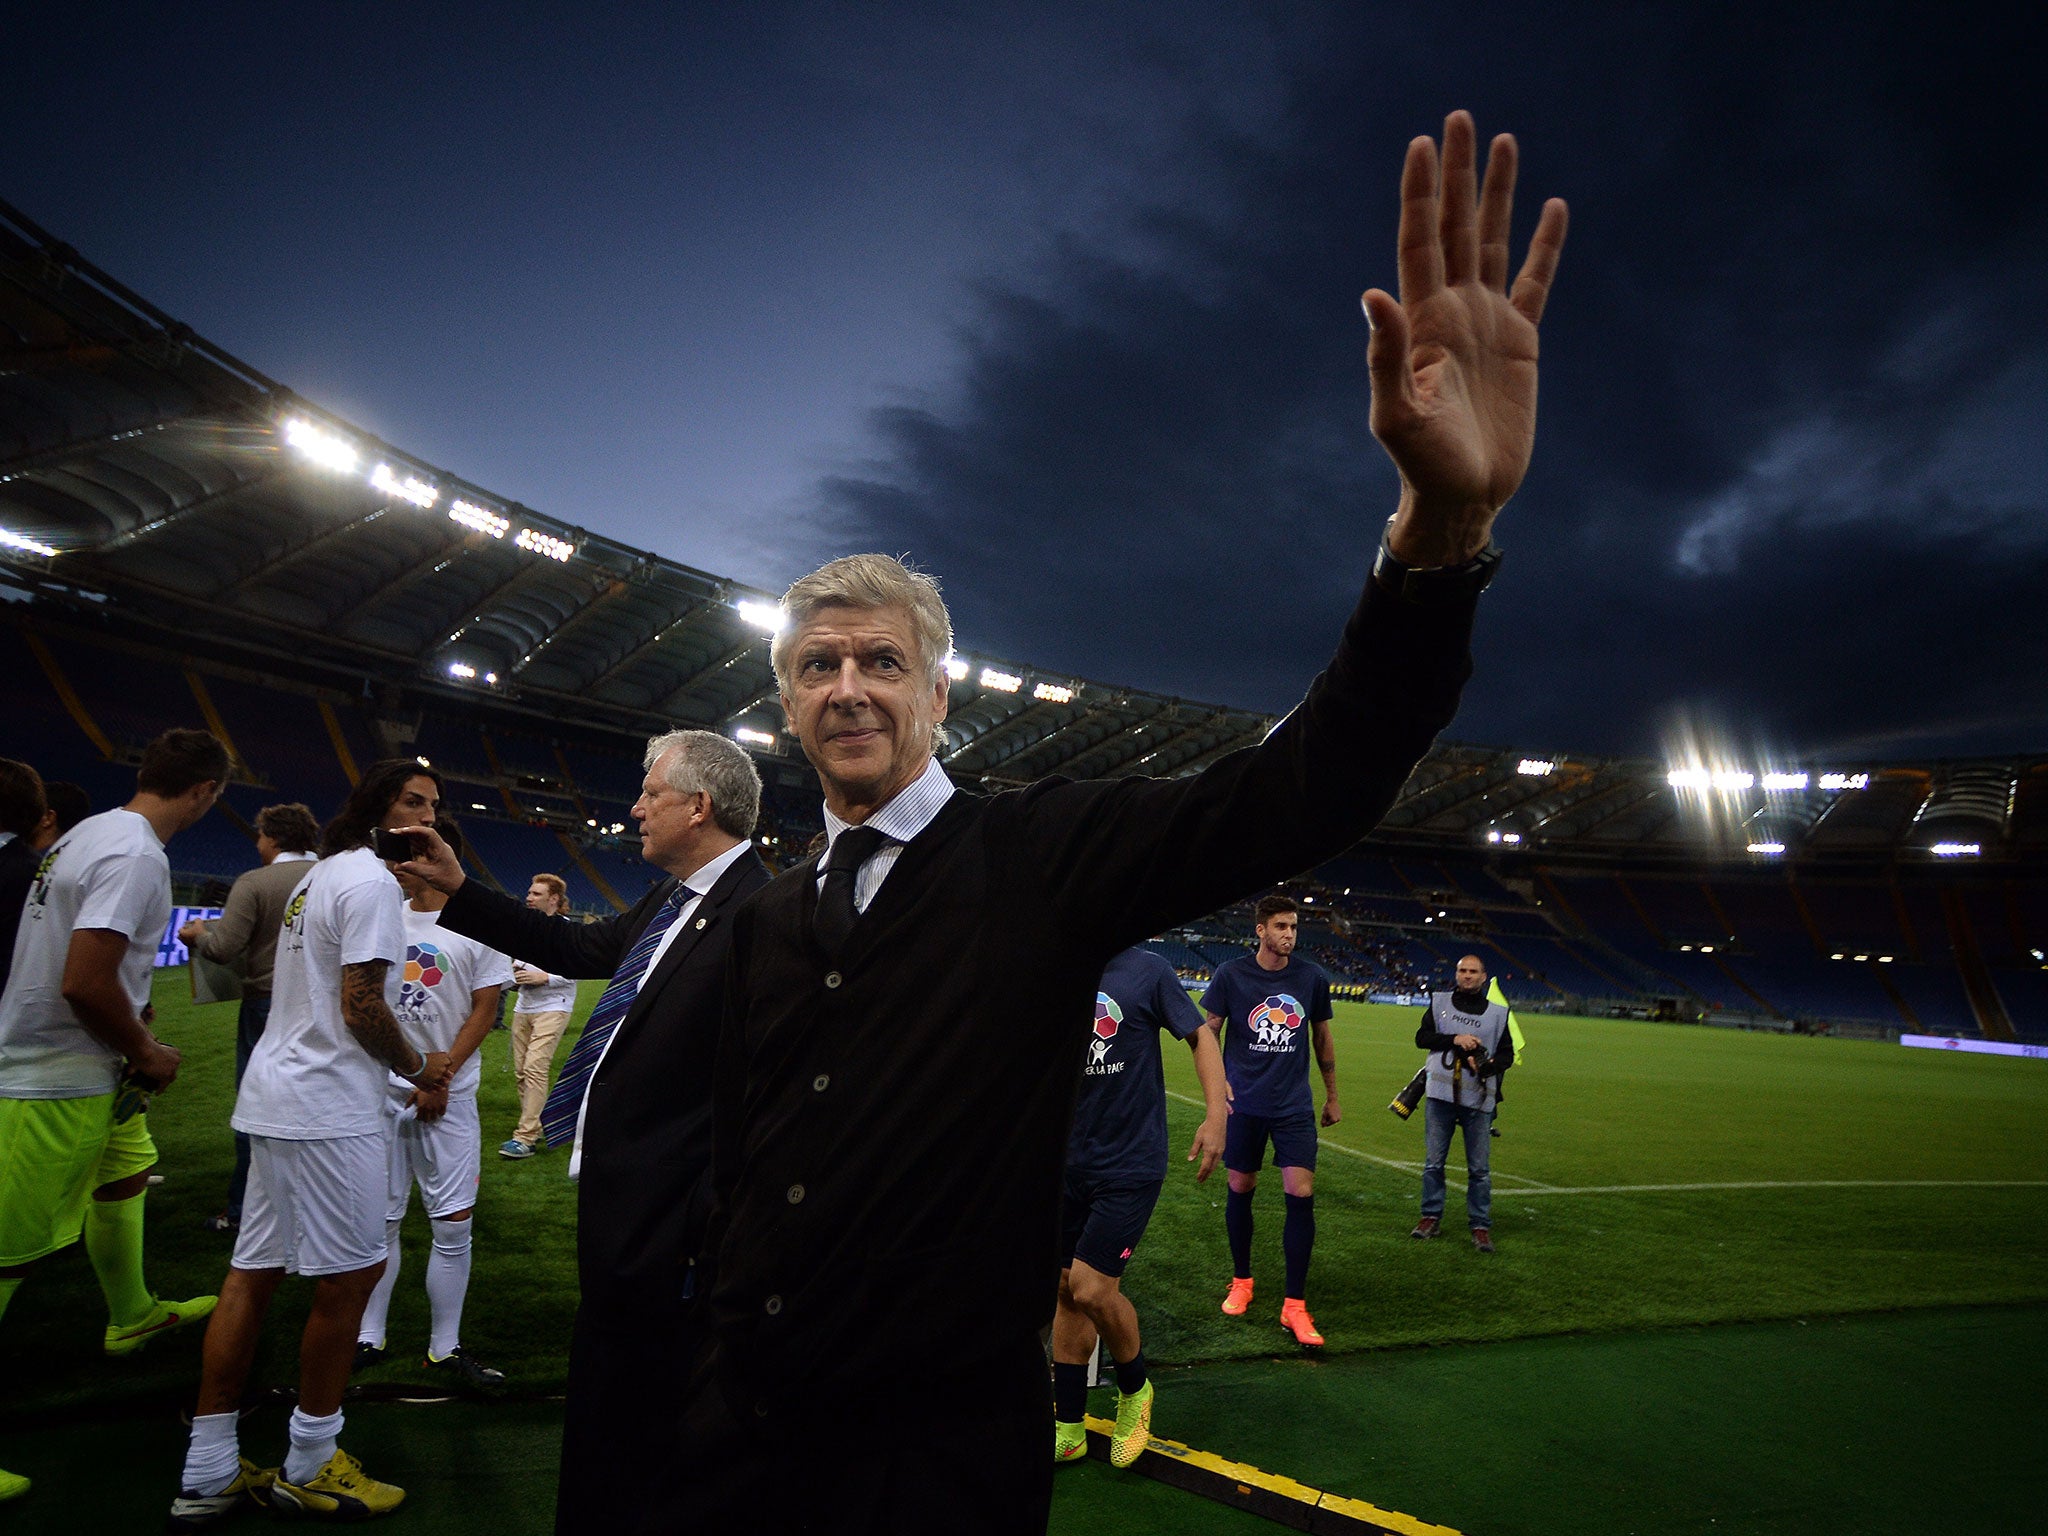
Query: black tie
[[836, 913]]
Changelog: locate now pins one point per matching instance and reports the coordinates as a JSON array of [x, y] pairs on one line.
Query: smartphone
[[395, 846]]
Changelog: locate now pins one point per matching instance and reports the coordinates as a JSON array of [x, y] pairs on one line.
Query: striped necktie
[[565, 1100]]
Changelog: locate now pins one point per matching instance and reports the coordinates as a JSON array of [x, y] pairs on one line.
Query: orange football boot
[[1240, 1297], [1295, 1319]]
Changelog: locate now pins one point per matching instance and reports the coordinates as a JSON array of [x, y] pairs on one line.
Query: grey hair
[[867, 581], [705, 760]]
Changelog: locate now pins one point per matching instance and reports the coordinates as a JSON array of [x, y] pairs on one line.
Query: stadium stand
[[184, 541]]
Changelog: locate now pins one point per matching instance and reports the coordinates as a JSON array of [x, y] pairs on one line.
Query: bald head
[[1471, 974]]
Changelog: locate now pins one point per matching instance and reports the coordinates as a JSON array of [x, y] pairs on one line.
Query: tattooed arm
[[369, 1019]]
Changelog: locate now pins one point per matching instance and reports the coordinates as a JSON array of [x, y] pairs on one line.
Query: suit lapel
[[710, 911]]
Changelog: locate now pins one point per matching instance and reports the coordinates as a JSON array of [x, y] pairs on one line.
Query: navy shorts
[[1294, 1141], [1102, 1220]]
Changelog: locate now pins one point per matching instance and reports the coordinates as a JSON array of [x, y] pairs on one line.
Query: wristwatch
[[1430, 586]]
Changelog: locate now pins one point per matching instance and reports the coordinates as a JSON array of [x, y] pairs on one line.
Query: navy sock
[[1298, 1240], [1237, 1221], [1130, 1374], [1069, 1392]]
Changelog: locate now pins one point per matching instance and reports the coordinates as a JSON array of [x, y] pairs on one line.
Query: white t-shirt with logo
[[309, 1078], [441, 970], [107, 872]]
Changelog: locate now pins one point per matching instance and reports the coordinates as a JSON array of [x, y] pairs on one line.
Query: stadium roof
[[146, 470]]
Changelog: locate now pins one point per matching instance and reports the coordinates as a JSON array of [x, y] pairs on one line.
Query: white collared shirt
[[908, 813], [697, 882]]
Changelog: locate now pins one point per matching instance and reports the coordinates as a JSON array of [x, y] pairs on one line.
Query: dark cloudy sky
[[1063, 301]]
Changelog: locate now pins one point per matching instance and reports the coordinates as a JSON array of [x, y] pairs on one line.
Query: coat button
[[760, 1410], [773, 1306], [796, 1194], [821, 1082], [701, 922], [832, 979]]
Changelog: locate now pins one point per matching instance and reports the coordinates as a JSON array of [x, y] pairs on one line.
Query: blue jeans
[[1438, 1119], [249, 1026]]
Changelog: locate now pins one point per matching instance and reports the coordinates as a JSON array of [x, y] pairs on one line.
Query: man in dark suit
[[907, 1014], [634, 1097]]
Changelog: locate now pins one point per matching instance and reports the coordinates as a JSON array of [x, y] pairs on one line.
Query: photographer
[[1470, 1047]]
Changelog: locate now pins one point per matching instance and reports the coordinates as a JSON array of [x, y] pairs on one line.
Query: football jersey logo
[[1107, 1017], [423, 972], [1275, 1020], [41, 895]]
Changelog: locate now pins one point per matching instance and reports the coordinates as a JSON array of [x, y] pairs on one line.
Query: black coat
[[643, 1189]]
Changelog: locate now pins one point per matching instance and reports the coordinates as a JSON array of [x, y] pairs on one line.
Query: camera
[[395, 846], [1405, 1101]]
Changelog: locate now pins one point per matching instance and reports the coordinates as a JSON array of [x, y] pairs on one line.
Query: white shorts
[[313, 1207], [445, 1157]]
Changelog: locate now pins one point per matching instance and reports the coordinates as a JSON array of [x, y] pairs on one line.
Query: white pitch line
[[1642, 1189], [1651, 1189]]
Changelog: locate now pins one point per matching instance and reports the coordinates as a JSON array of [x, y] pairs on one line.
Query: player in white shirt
[[312, 1105], [447, 1001], [538, 1020], [77, 1058]]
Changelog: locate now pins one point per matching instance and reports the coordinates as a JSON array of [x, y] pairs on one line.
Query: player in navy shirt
[[1116, 1161], [1274, 1005]]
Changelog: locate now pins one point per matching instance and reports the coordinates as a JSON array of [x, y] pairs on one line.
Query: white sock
[[214, 1457], [312, 1444], [447, 1285], [378, 1308]]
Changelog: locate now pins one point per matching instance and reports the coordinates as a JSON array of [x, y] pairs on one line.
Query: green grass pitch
[[1649, 1177]]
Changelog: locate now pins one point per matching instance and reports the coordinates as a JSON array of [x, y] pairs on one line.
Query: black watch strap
[[1431, 585]]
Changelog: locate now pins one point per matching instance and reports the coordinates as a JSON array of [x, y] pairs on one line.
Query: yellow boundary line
[[214, 722], [67, 695], [341, 751], [1246, 1487]]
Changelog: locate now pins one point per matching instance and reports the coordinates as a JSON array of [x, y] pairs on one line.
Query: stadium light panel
[[1956, 850], [545, 544], [412, 488], [1884, 959], [767, 617], [1053, 693], [461, 669], [956, 668], [423, 762], [476, 805], [1838, 956], [1001, 682], [1689, 778], [482, 519], [1785, 781], [1771, 850], [327, 449], [1845, 781], [1706, 949], [491, 677], [23, 542], [1863, 957], [1734, 778], [1536, 767], [753, 737]]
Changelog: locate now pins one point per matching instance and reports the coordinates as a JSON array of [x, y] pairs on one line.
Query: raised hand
[[1453, 361]]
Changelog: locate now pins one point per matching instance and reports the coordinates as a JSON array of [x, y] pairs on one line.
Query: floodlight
[[476, 805], [1956, 850], [1734, 778], [1783, 781], [1053, 693], [1706, 949], [1689, 778], [763, 616], [544, 544], [956, 668], [753, 737], [461, 669], [482, 519], [412, 488], [423, 762], [1845, 781], [1001, 682], [1884, 959], [1863, 957], [490, 677], [1536, 767], [1838, 956], [327, 449], [1770, 849], [23, 542], [1511, 837]]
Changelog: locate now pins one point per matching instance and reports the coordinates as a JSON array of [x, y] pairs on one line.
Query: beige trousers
[[535, 1037]]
